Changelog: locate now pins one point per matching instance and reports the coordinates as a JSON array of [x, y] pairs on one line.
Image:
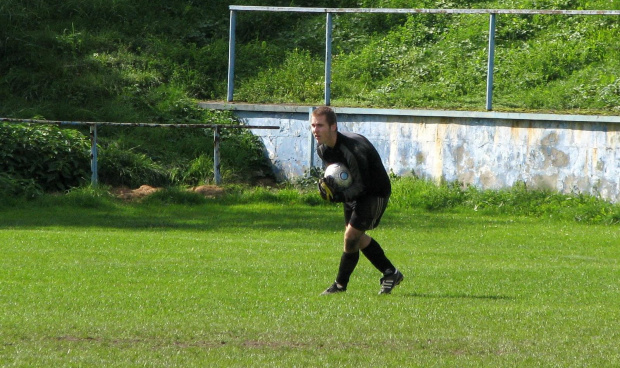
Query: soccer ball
[[340, 173]]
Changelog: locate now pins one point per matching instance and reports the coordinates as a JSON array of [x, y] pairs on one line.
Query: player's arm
[[358, 168]]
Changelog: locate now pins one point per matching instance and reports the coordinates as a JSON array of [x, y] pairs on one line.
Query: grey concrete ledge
[[411, 112]]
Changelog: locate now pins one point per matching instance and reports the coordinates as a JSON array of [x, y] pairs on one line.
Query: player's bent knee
[[352, 240], [351, 245]]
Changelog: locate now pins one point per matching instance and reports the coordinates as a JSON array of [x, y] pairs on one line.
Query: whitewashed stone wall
[[488, 150]]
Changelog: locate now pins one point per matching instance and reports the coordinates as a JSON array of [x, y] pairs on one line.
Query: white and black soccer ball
[[340, 173]]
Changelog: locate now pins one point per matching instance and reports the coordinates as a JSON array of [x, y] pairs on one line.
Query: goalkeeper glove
[[328, 191]]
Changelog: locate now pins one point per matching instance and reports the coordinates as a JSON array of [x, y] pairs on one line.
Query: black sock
[[377, 257], [348, 261]]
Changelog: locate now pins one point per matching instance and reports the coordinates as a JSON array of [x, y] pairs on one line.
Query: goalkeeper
[[364, 201]]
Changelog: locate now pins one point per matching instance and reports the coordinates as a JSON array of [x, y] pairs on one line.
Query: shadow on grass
[[457, 296], [214, 215]]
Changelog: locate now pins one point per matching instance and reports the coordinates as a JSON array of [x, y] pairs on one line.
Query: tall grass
[[517, 200], [108, 61], [543, 62], [407, 193]]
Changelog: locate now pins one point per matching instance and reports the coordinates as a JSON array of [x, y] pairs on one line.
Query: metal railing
[[328, 33], [217, 177]]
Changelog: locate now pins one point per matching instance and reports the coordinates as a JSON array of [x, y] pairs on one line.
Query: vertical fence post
[[216, 156], [231, 55], [491, 62], [310, 142], [94, 178], [328, 59]]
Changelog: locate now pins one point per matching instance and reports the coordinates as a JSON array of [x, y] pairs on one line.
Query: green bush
[[123, 167], [54, 159], [243, 157], [199, 171], [12, 188]]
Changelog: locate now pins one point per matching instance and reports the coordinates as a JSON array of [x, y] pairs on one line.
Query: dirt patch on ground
[[127, 193], [209, 191]]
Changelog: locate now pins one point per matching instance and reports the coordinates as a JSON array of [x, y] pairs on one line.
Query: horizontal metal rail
[[93, 137], [149, 125], [418, 11]]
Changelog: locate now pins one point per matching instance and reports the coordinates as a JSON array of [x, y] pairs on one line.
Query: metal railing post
[[93, 137], [217, 177], [94, 177], [310, 141], [328, 58], [231, 55], [491, 62]]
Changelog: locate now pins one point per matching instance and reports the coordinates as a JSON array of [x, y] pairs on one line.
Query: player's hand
[[325, 190], [328, 191]]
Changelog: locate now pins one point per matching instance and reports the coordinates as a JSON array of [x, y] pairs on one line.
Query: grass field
[[238, 285]]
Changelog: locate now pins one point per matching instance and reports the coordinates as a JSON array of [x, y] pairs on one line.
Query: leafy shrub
[[309, 180], [11, 188], [197, 172], [183, 155], [53, 158], [242, 156], [123, 167]]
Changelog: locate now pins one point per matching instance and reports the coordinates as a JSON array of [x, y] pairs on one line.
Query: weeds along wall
[[566, 153]]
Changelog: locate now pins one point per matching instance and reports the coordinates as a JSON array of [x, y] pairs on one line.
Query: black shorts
[[365, 213]]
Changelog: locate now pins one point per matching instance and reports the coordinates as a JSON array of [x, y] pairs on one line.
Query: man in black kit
[[364, 201]]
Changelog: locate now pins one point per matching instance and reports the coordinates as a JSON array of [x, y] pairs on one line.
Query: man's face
[[323, 132]]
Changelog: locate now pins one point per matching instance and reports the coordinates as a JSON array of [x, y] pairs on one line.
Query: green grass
[[237, 283], [147, 60]]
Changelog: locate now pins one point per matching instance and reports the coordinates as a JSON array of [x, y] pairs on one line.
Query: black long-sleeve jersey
[[364, 163]]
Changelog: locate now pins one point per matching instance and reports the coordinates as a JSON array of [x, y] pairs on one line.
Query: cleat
[[389, 282], [334, 289]]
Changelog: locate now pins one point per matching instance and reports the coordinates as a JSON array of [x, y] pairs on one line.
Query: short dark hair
[[330, 115]]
